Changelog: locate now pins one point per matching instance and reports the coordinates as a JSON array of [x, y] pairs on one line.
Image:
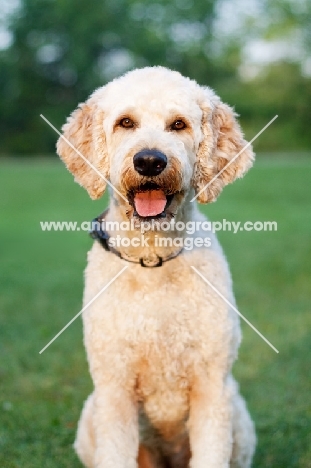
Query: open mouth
[[150, 201]]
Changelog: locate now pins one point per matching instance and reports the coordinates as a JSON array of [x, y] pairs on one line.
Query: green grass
[[41, 289]]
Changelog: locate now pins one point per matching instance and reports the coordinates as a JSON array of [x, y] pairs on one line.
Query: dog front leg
[[115, 428], [210, 424]]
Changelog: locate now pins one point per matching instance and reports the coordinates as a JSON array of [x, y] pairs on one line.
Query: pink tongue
[[150, 203]]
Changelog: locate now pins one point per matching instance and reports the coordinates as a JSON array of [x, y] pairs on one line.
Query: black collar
[[102, 237]]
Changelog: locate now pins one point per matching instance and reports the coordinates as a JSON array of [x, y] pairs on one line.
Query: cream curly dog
[[160, 342]]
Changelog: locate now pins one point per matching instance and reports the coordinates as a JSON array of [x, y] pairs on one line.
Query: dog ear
[[222, 141], [84, 131]]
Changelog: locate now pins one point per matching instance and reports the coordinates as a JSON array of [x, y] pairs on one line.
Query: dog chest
[[162, 386], [149, 310]]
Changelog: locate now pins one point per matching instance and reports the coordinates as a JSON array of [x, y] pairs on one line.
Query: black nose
[[149, 162]]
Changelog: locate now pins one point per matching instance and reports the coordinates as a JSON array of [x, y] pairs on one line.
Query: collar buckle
[[149, 263], [102, 237]]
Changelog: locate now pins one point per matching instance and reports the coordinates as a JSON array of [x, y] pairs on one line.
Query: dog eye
[[178, 125], [126, 123]]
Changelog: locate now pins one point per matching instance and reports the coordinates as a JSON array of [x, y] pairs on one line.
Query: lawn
[[41, 289]]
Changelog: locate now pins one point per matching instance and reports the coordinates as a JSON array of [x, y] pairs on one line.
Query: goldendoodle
[[160, 341]]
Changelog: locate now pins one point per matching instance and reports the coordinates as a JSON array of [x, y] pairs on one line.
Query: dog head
[[154, 136]]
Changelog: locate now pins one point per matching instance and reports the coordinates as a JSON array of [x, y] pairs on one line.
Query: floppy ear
[[222, 141], [84, 130]]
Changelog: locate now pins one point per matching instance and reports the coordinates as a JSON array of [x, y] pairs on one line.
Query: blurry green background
[[256, 55]]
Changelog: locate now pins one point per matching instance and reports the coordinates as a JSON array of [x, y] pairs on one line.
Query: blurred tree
[[270, 54], [281, 89], [62, 50]]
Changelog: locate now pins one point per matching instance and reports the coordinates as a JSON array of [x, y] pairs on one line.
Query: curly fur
[[160, 343]]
